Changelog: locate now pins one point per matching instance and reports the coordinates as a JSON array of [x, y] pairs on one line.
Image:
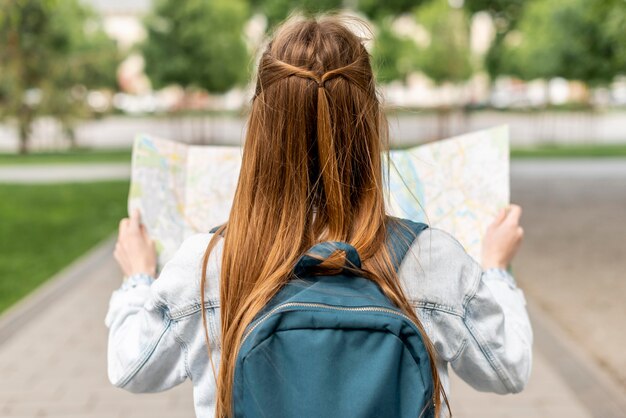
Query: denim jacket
[[476, 320]]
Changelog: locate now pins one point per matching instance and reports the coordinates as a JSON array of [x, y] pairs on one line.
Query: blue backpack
[[335, 346]]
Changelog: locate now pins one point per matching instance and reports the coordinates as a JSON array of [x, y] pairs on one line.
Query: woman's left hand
[[135, 251], [503, 238]]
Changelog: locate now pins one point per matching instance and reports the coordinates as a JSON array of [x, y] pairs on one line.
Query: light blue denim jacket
[[477, 321]]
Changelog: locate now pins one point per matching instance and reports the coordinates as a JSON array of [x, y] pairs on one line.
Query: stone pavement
[[572, 262], [545, 396], [53, 361], [55, 364]]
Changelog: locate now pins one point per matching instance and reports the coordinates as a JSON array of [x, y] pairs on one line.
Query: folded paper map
[[456, 184]]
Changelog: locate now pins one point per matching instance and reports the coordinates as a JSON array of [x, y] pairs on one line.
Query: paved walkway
[[58, 173], [55, 364], [546, 395], [53, 361], [524, 170]]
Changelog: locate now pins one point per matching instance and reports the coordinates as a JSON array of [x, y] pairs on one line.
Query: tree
[[505, 15], [197, 44], [612, 15], [90, 62], [378, 10], [447, 57], [50, 51], [394, 56], [574, 39], [278, 10]]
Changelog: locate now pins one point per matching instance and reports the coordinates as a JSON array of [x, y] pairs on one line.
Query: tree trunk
[[23, 148], [548, 96], [70, 132], [443, 120], [24, 128]]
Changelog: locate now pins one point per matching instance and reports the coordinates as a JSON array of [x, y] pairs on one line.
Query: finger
[[136, 215], [515, 212], [118, 254], [520, 232], [500, 216], [142, 227], [135, 220], [123, 226], [144, 231], [119, 249], [121, 257]]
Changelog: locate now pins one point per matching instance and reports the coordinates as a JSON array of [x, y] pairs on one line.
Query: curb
[[33, 305], [592, 385]]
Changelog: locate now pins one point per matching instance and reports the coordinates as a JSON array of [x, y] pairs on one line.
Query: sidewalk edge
[[12, 320], [593, 386]]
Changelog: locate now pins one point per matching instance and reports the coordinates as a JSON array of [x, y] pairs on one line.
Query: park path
[[54, 365], [59, 173], [52, 345], [526, 170], [53, 361]]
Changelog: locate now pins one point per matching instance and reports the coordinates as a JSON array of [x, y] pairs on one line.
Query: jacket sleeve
[[145, 351], [497, 354], [476, 320]]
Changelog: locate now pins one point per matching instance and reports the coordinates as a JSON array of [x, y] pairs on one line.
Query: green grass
[[570, 151], [45, 227], [81, 155]]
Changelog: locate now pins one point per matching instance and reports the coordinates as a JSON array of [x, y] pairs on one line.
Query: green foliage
[[447, 58], [611, 14], [51, 52], [574, 39], [394, 57], [36, 243], [277, 10], [90, 57], [197, 43], [506, 15], [377, 9]]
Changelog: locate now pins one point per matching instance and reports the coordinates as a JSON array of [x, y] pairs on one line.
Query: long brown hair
[[312, 171]]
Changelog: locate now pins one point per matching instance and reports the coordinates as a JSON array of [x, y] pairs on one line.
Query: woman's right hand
[[502, 239], [135, 251]]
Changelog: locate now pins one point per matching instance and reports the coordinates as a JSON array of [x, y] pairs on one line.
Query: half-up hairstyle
[[312, 171]]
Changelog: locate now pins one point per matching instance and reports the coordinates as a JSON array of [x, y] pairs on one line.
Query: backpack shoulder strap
[[400, 236], [214, 230]]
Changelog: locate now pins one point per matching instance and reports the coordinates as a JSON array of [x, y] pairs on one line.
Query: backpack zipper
[[321, 306]]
